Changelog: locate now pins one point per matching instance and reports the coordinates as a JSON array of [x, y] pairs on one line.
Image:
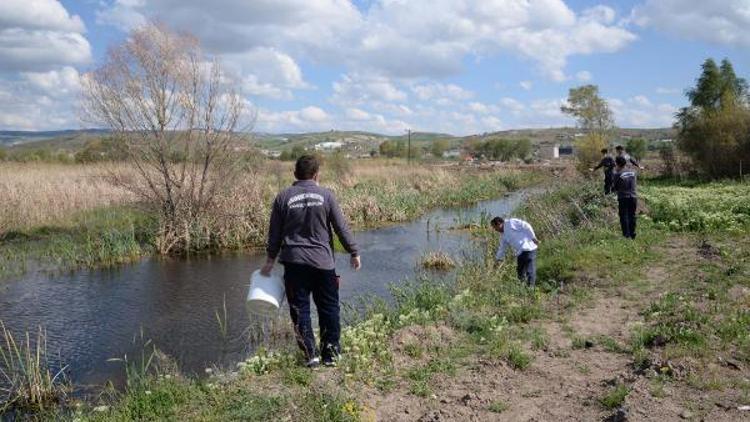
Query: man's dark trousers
[[300, 281], [627, 207], [608, 180], [526, 267]]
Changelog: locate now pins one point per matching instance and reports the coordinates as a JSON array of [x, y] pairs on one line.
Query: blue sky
[[457, 66]]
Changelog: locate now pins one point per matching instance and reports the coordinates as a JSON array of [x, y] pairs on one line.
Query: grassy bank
[[63, 217], [652, 328]]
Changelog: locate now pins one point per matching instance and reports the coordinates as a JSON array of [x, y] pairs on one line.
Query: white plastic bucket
[[266, 294]]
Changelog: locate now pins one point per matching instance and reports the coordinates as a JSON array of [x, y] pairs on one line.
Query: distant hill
[[10, 138], [70, 141]]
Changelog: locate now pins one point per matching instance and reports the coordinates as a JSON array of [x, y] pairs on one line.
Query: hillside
[[71, 141]]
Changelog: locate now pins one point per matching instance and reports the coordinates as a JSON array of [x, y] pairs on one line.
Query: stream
[[93, 316]]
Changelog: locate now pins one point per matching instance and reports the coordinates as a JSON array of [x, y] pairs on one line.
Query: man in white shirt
[[519, 236]]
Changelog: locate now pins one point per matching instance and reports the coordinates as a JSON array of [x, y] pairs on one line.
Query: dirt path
[[586, 356]]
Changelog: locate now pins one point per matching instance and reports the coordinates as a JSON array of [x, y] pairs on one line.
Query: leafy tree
[[588, 150], [589, 109], [438, 147], [292, 154], [637, 147], [392, 149], [523, 148], [714, 130], [505, 149]]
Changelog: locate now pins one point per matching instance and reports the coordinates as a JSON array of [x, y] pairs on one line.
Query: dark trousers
[[608, 180], [300, 281], [627, 207], [526, 267]]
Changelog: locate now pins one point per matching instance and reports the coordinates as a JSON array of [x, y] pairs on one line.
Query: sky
[[451, 66]]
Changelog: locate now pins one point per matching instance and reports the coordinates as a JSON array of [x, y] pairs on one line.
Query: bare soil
[[565, 383]]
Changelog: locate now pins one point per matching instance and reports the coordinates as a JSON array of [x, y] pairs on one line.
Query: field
[[67, 216], [655, 328]]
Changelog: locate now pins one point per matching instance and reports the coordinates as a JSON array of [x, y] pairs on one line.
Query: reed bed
[[27, 380], [37, 194]]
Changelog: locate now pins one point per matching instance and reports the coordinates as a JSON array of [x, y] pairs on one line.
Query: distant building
[[453, 153], [270, 153], [564, 150], [328, 146]]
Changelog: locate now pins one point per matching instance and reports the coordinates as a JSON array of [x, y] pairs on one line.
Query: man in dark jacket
[[303, 219], [620, 152], [627, 199], [609, 165]]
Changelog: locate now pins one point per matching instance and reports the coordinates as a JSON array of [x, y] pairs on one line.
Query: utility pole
[[408, 148]]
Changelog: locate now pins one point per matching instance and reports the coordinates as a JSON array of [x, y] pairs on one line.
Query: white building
[[328, 146]]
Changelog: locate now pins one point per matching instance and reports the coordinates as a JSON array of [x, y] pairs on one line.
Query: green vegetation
[[503, 149], [435, 331], [719, 206], [497, 407], [637, 147], [615, 397], [714, 130], [27, 378], [101, 237], [106, 236]]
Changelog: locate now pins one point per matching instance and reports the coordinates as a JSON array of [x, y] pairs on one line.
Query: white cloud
[[640, 112], [47, 15], [442, 93], [357, 114], [122, 14], [482, 108], [584, 76], [305, 119], [40, 35], [401, 39], [267, 72], [40, 100], [722, 22], [354, 89], [526, 85]]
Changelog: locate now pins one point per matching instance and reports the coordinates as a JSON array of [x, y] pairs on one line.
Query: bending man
[[519, 235]]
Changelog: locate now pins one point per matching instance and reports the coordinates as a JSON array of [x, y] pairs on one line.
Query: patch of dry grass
[[37, 194], [437, 260]]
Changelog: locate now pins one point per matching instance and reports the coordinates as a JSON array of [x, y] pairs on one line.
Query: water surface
[[92, 316]]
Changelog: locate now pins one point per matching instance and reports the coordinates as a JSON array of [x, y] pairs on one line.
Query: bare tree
[[177, 118]]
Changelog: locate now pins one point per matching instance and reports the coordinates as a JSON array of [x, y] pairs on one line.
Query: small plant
[[420, 377], [615, 397], [413, 350], [27, 379], [222, 319], [517, 358], [497, 407], [438, 260]]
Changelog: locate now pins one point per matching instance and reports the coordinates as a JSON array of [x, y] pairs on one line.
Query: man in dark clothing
[[627, 200], [303, 219], [620, 151], [609, 164]]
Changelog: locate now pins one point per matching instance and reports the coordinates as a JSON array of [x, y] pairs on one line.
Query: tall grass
[[36, 194], [27, 381], [71, 216]]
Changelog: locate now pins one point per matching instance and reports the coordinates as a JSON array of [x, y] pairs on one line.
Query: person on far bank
[[608, 163], [627, 199], [300, 233], [620, 152], [519, 236]]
